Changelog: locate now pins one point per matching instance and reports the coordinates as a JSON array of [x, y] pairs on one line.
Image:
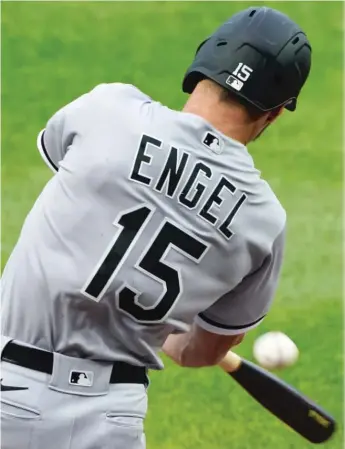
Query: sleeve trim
[[44, 153], [222, 329]]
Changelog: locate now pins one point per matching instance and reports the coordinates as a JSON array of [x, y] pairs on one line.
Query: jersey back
[[153, 220]]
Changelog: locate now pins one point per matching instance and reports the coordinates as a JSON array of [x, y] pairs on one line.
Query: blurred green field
[[53, 52]]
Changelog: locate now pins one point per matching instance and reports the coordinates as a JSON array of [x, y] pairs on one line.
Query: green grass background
[[53, 52]]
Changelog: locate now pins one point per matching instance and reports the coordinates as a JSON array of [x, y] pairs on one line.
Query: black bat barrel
[[285, 402]]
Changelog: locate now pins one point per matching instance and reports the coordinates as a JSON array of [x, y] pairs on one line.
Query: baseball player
[[156, 232]]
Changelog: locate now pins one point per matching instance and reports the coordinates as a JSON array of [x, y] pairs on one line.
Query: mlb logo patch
[[234, 83], [213, 142], [82, 378]]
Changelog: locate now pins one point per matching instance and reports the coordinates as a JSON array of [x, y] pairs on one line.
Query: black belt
[[38, 360]]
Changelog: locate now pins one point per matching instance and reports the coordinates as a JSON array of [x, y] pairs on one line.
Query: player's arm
[[199, 347], [55, 139], [224, 324]]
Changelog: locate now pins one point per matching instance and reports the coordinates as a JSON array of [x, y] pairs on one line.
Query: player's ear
[[274, 114]]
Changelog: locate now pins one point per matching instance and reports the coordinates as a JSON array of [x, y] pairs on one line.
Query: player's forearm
[[197, 347], [184, 350], [179, 348]]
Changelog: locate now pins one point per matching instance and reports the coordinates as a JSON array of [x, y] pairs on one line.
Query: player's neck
[[228, 119], [222, 120]]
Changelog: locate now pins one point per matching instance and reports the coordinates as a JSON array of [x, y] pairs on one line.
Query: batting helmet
[[259, 54]]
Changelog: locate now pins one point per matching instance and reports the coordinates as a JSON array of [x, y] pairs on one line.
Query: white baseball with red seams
[[275, 350]]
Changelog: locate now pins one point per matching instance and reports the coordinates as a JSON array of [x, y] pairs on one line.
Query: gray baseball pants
[[41, 411]]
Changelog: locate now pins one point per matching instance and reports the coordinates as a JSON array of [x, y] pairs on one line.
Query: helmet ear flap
[[291, 105]]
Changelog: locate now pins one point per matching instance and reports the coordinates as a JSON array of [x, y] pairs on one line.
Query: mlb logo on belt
[[81, 378]]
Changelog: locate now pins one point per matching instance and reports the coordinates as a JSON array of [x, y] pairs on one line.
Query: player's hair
[[230, 98]]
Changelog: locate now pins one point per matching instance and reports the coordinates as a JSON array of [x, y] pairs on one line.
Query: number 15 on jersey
[[152, 263]]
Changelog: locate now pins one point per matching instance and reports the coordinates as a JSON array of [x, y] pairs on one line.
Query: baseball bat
[[281, 399]]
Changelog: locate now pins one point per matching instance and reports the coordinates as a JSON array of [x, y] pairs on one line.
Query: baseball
[[275, 350]]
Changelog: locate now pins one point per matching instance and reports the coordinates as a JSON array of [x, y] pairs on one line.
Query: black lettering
[[143, 158], [199, 188], [216, 199], [172, 172], [224, 227]]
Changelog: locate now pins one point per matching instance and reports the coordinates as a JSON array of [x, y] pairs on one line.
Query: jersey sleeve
[[54, 140], [244, 308], [83, 115]]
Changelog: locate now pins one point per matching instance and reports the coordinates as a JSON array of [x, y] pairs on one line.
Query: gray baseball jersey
[[153, 220]]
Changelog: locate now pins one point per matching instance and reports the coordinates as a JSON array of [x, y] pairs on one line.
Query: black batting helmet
[[259, 54]]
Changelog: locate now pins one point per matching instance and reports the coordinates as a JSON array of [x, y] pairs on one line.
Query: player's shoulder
[[268, 217], [264, 209], [274, 210], [123, 101], [117, 91], [264, 217]]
